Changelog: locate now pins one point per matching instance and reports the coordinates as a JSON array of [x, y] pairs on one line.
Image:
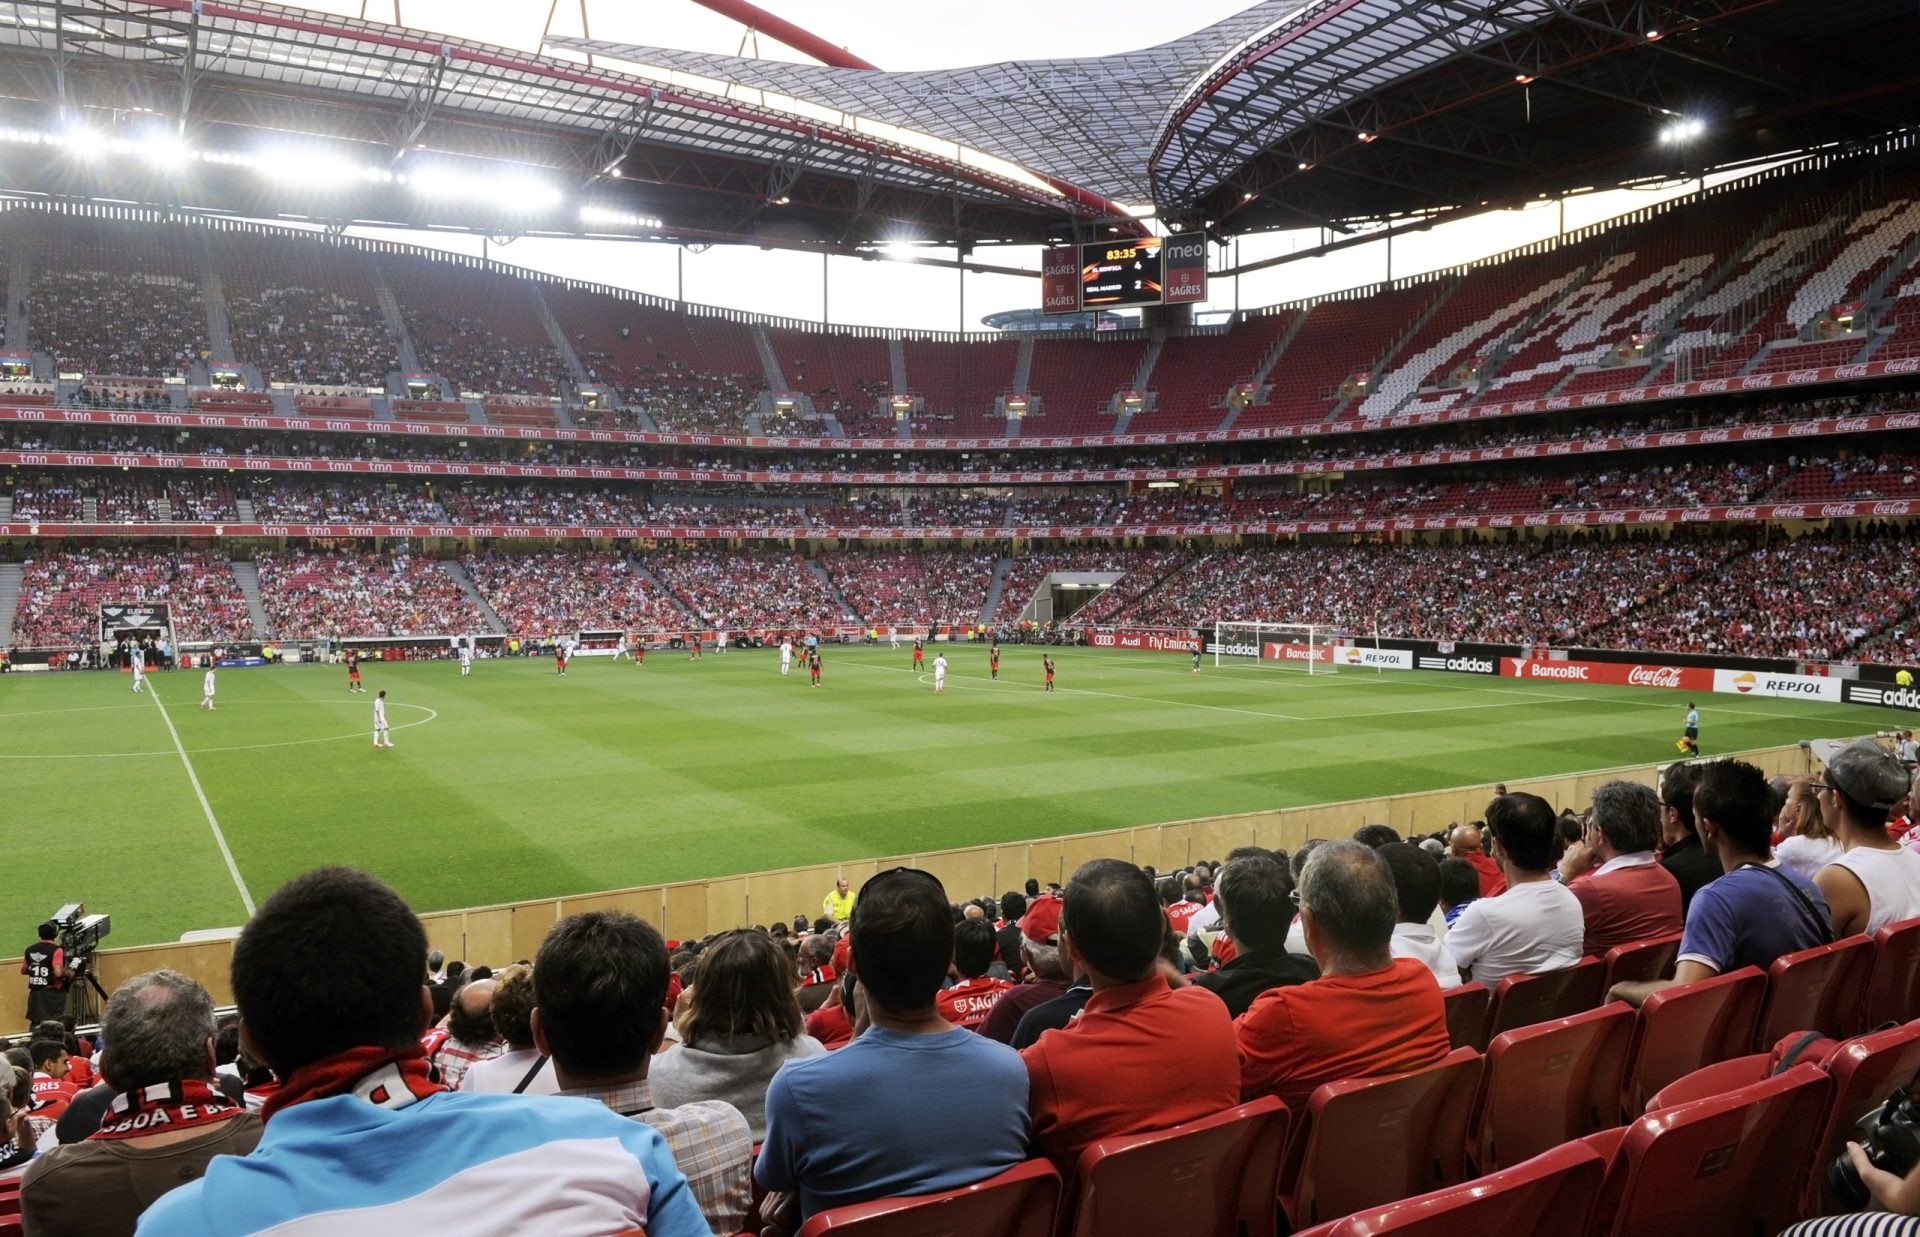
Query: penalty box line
[[226, 852]]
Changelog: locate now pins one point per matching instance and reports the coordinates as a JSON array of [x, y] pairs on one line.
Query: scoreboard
[[1148, 270]]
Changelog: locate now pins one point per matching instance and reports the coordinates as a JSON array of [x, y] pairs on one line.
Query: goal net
[[1312, 648]]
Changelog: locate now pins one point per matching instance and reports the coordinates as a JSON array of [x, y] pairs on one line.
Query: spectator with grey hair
[[1052, 972], [169, 1116], [1368, 1014], [1536, 925], [1624, 893], [1254, 896]]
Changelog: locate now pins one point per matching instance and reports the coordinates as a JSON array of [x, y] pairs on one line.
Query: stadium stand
[[477, 330], [117, 298], [62, 591], [316, 595], [305, 312]]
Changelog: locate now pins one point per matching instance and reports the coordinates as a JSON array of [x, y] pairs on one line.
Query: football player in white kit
[[939, 674], [466, 658], [380, 736], [893, 637], [137, 658], [786, 655], [206, 690]]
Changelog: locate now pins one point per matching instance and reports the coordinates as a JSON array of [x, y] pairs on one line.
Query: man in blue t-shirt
[[1756, 912], [914, 1104]]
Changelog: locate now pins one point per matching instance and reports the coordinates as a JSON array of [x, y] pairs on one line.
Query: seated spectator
[[738, 1025], [1007, 936], [1040, 952], [1254, 896], [1459, 887], [1468, 844], [832, 1023], [1535, 925], [600, 986], [1875, 881], [1806, 845], [1416, 884], [1624, 893], [839, 1127], [1142, 1055], [967, 1002], [471, 1037], [167, 1120], [19, 1133], [51, 1090], [1681, 850], [1753, 914], [817, 972], [1376, 836], [357, 1103], [521, 1069], [1368, 1014]]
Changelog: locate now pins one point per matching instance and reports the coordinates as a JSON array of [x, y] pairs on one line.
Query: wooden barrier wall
[[497, 935]]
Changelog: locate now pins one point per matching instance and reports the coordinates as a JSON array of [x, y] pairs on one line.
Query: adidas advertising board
[[1465, 664], [1884, 696]]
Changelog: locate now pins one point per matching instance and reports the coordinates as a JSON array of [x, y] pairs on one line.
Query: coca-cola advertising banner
[[323, 423], [1548, 670], [1062, 476], [1780, 686], [1156, 641]]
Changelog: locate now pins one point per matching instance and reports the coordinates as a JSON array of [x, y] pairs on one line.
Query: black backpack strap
[[539, 1063]]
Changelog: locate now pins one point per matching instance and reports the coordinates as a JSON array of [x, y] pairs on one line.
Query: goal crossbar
[[1315, 648]]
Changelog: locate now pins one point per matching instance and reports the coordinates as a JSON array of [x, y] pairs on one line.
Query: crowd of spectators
[[312, 335], [61, 592], [914, 588], [471, 355], [320, 595], [741, 589], [692, 401], [563, 591], [101, 302]]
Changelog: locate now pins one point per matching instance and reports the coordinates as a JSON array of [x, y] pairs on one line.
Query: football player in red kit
[[993, 659], [353, 671], [1046, 659], [919, 655]]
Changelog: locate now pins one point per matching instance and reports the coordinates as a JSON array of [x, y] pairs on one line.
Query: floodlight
[[165, 151], [606, 217], [84, 142]]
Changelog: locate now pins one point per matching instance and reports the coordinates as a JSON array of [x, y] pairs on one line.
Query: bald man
[[472, 1037], [1467, 844]]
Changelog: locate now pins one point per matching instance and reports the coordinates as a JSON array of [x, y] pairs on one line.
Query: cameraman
[[1896, 1199], [47, 970]]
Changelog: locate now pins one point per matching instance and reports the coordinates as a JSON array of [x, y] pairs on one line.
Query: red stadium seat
[[1641, 961], [1551, 1083], [1467, 1008], [1864, 1071], [1546, 1196], [1818, 989], [1524, 1000], [1215, 1177], [1690, 1025], [1893, 992], [1711, 1080], [1731, 1164], [1371, 1141], [1024, 1201]]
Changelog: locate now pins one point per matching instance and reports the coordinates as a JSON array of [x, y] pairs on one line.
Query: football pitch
[[515, 784]]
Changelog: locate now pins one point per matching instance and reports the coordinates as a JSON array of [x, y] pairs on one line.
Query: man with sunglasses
[[855, 1124]]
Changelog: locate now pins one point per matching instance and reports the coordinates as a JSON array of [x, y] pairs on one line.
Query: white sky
[[920, 35]]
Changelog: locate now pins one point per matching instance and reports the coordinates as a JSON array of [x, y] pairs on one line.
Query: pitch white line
[[233, 869]]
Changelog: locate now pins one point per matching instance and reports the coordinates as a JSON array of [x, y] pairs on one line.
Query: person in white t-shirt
[[381, 736], [137, 658], [466, 658], [1537, 924], [940, 673], [1416, 883], [893, 637], [206, 690], [786, 655]]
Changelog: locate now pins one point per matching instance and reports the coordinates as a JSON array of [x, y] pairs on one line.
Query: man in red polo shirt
[[1467, 845], [968, 1002], [1368, 1014], [1142, 1055], [1624, 893]]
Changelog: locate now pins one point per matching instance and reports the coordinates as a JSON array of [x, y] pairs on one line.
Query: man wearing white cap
[[1875, 881]]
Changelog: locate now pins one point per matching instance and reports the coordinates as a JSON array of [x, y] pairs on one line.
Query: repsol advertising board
[[1366, 658], [1883, 695], [1781, 686]]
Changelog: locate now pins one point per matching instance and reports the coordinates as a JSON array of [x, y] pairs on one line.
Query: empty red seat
[[1467, 1008], [1523, 1000], [1641, 961], [1024, 1201], [1547, 1196], [1370, 1141], [1551, 1083], [1818, 989], [1733, 1164], [1214, 1177], [1690, 1025], [1893, 992]]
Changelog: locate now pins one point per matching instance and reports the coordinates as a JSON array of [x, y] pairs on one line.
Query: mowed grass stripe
[[526, 786]]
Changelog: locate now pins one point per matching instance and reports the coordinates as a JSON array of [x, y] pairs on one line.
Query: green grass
[[513, 784]]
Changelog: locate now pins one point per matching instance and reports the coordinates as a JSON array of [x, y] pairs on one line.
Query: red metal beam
[[805, 42]]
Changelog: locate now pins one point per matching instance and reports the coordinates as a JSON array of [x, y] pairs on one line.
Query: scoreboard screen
[[1121, 273], [1147, 270]]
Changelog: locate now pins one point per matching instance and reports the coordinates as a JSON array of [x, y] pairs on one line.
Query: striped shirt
[[710, 1141]]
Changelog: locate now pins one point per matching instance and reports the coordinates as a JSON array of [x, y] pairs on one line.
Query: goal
[[1315, 648]]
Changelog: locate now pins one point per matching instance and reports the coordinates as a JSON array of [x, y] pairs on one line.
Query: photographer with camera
[[47, 970], [1883, 1171]]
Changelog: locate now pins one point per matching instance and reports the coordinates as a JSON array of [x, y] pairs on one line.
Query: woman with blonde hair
[[738, 1024], [1806, 844]]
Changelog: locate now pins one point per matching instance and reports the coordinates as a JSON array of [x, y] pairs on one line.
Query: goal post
[[1315, 648]]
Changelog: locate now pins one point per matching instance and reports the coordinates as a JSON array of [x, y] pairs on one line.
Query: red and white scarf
[[384, 1077], [163, 1108]]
